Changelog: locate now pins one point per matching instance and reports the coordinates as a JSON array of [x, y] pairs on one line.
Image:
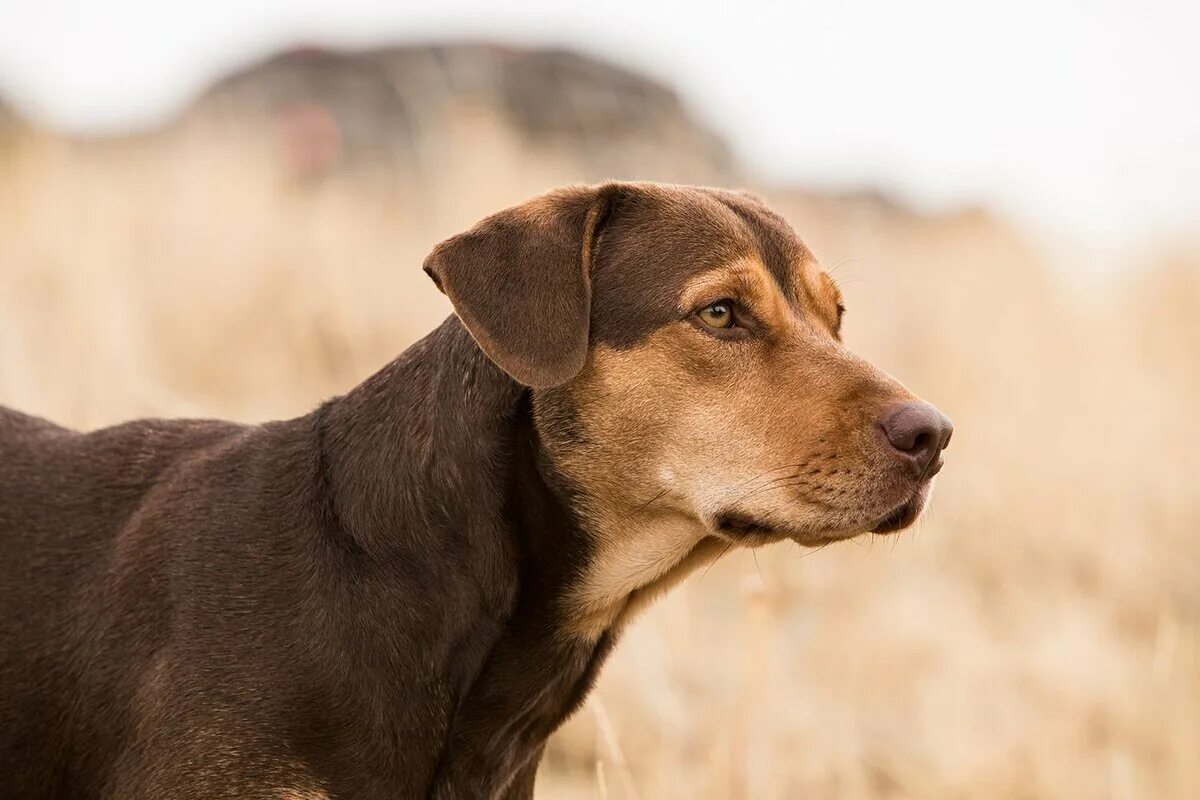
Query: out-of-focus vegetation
[[1037, 636]]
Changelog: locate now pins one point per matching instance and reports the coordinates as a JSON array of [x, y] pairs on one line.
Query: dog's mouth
[[740, 526], [752, 530], [902, 517], [905, 514]]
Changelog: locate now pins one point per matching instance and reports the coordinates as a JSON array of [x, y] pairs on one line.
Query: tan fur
[[682, 428]]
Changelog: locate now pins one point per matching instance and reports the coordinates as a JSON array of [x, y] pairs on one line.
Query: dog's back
[[68, 504]]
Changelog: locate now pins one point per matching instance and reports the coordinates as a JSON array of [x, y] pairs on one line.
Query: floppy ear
[[520, 281]]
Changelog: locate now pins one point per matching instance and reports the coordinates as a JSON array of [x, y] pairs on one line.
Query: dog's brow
[[812, 286], [830, 285], [744, 279]]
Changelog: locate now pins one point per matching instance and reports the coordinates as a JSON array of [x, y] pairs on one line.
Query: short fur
[[404, 593]]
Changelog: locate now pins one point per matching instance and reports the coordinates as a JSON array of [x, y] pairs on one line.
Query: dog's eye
[[717, 315]]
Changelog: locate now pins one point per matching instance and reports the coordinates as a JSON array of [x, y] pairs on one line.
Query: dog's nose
[[918, 431]]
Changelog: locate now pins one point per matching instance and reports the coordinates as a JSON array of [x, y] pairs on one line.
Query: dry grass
[[1038, 636]]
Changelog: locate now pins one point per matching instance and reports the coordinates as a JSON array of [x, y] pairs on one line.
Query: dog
[[405, 592]]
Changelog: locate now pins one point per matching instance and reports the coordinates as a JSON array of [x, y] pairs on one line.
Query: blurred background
[[221, 209]]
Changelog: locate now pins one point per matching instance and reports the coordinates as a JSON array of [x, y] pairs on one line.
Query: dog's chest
[[531, 684]]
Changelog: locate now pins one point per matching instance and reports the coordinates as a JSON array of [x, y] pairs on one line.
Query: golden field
[[1037, 635]]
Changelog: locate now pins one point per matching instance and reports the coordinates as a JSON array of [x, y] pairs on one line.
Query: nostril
[[917, 429]]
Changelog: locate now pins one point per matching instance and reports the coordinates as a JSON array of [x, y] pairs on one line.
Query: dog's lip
[[747, 528], [743, 526], [900, 517], [909, 509], [935, 467]]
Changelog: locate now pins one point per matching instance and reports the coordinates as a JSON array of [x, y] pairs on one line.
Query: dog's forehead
[[781, 251], [665, 239]]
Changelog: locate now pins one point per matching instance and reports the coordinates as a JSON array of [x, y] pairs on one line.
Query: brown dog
[[405, 592]]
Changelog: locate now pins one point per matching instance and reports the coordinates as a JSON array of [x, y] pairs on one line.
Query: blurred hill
[[1037, 637], [392, 107]]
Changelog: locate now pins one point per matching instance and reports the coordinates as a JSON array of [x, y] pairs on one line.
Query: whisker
[[833, 270], [774, 483], [767, 472], [645, 505], [715, 560], [754, 553], [807, 553], [761, 489], [815, 501]]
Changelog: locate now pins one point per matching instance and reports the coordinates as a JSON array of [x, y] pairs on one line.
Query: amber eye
[[717, 315]]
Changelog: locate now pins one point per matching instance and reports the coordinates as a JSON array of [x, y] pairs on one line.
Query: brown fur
[[405, 592]]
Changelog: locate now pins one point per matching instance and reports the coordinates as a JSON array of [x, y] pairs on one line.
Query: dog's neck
[[438, 451], [417, 443]]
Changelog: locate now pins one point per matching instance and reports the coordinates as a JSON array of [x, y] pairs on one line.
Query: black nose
[[918, 431]]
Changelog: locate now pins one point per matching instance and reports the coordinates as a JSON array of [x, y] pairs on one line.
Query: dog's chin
[[901, 518], [749, 530], [905, 514]]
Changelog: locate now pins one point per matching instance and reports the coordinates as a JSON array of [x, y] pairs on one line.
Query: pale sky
[[1081, 120]]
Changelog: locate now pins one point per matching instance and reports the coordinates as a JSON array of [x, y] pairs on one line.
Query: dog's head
[[688, 376]]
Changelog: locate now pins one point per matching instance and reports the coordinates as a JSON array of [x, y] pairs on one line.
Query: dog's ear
[[520, 281]]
